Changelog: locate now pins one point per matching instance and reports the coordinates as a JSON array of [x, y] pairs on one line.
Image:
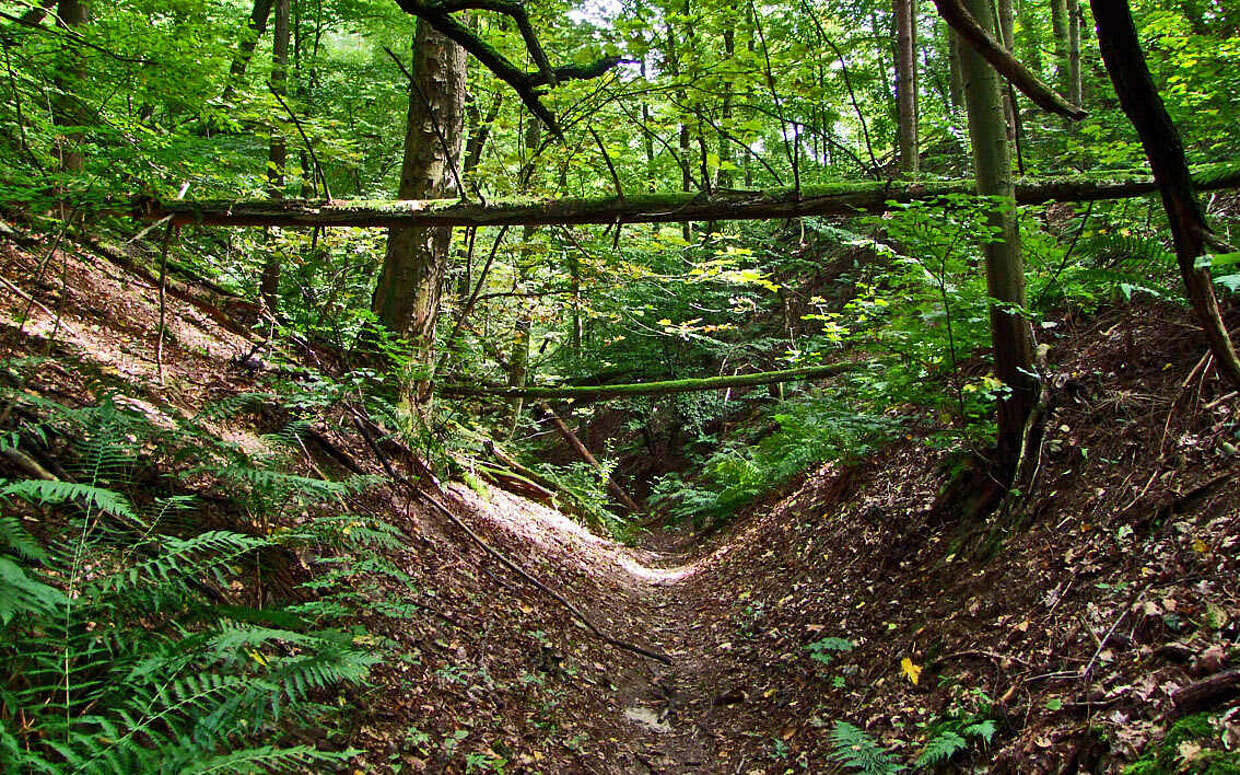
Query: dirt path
[[662, 712]]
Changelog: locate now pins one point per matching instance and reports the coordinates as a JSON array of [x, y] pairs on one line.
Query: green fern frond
[[265, 759], [20, 594], [43, 492], [941, 747], [17, 538], [854, 748], [983, 729], [184, 559]]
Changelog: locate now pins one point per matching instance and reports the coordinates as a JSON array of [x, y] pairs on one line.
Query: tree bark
[[1075, 92], [67, 110], [953, 63], [256, 26], [1059, 34], [979, 37], [1139, 98], [1005, 276], [906, 85], [406, 298], [839, 201], [269, 284]]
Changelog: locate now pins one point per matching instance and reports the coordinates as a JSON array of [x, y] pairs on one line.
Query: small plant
[[855, 749], [825, 650]]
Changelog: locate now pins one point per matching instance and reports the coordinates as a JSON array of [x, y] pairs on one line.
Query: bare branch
[[525, 84], [994, 52]]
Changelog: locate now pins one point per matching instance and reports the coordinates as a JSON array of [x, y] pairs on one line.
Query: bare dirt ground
[[1072, 634]]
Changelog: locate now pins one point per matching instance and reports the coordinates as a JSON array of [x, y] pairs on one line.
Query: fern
[[57, 492], [138, 670], [854, 748], [941, 747]]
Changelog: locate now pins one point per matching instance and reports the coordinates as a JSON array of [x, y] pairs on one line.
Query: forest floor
[[1062, 645]]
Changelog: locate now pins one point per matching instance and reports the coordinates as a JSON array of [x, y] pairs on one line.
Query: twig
[[163, 301], [318, 168], [507, 563], [31, 300]]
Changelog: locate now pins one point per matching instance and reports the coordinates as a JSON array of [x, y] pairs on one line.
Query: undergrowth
[[136, 638]]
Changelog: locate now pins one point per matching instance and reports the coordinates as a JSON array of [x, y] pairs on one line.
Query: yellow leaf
[[910, 670], [1200, 547]]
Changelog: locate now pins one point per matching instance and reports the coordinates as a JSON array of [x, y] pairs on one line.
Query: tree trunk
[[724, 177], [1059, 30], [406, 298], [906, 85], [1005, 278], [519, 360], [953, 63], [831, 201], [257, 25], [67, 110], [269, 284], [1074, 52], [1138, 96]]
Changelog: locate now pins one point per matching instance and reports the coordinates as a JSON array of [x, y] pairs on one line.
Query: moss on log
[[600, 392], [841, 199]]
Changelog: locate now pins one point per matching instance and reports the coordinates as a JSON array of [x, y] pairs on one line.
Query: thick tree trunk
[[269, 284], [1138, 96], [1005, 276], [406, 299], [906, 85]]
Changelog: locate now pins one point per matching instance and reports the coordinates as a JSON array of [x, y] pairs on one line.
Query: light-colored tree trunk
[[1059, 30], [406, 298], [906, 84], [1005, 278], [269, 284]]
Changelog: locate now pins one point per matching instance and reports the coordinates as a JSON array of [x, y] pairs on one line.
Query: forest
[[619, 386]]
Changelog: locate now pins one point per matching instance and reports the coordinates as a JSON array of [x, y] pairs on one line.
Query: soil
[[1068, 630]]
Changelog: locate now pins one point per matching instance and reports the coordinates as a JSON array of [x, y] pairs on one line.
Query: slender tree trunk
[[1005, 278], [406, 298], [906, 84], [1059, 29], [724, 178], [953, 63], [256, 25], [684, 134], [67, 108], [1138, 96], [269, 284], [519, 360], [1074, 52]]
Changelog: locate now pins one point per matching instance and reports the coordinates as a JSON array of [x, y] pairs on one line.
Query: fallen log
[[666, 387], [1207, 693], [843, 199]]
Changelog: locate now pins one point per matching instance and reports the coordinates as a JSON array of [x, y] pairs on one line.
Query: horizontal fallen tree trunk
[[600, 392], [838, 200]]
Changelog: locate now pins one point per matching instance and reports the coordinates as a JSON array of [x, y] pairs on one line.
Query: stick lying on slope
[[507, 563]]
